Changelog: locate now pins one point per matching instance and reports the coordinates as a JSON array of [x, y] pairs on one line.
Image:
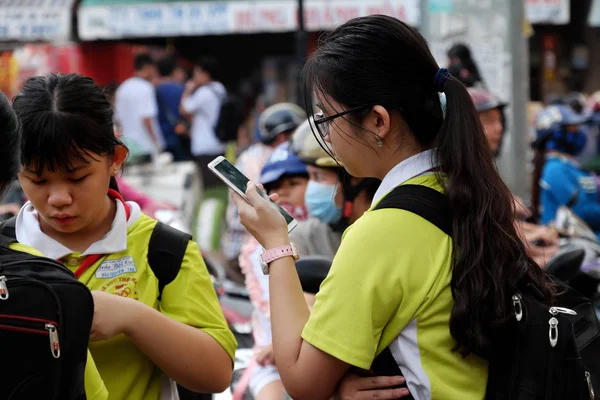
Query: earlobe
[[382, 123], [119, 156]]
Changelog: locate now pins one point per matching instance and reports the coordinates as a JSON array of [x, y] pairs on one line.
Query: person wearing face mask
[[563, 181], [334, 199]]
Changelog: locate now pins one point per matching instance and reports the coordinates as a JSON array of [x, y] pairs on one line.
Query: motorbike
[[578, 242], [312, 270]]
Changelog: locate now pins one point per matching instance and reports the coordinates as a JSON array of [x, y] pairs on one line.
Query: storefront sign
[[548, 11], [28, 20], [214, 18]]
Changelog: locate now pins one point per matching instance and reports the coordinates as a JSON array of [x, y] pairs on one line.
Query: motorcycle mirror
[[566, 264], [312, 271]]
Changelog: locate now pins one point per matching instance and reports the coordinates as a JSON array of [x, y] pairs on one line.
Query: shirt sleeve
[[198, 100], [363, 304], [191, 299], [94, 386], [147, 106]]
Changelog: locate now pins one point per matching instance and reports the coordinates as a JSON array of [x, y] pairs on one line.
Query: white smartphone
[[238, 182]]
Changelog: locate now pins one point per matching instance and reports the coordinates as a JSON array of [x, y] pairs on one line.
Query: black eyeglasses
[[322, 123]]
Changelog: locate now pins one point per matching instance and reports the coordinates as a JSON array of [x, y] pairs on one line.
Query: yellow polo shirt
[[191, 299], [94, 387], [389, 285]]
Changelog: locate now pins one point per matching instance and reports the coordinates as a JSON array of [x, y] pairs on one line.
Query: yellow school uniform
[[389, 285], [126, 371], [94, 387]]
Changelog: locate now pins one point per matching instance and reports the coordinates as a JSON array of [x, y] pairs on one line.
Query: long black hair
[[64, 118], [9, 143], [379, 60]]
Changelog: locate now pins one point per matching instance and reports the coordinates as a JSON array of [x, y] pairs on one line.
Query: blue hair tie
[[440, 78]]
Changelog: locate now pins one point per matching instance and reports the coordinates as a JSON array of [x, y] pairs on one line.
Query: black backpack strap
[[166, 250], [423, 201], [428, 204], [8, 234]]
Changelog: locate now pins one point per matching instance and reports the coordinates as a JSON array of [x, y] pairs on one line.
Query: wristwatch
[[268, 256]]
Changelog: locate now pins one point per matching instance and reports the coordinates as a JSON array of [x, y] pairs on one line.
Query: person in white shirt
[[201, 102], [136, 108]]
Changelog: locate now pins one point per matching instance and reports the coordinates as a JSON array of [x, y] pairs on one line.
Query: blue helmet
[[555, 117], [281, 162], [550, 125]]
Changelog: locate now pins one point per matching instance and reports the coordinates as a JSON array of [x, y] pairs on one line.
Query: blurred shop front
[[564, 48], [254, 41], [34, 39]]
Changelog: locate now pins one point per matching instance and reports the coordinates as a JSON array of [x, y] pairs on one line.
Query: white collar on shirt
[[29, 233], [414, 166]]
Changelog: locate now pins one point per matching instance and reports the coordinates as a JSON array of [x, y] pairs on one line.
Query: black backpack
[[231, 117], [166, 250], [542, 352], [45, 320]]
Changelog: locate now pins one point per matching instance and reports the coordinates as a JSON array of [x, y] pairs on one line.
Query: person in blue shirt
[[168, 96], [563, 182]]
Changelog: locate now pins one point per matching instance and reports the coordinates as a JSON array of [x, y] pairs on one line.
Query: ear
[[119, 157], [379, 121]]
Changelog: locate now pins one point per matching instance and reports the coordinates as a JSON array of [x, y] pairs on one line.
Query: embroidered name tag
[[112, 268]]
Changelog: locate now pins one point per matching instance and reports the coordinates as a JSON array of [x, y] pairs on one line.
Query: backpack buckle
[[518, 306], [553, 332]]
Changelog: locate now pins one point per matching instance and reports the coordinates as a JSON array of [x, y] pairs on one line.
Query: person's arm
[[298, 361], [150, 129], [188, 338], [148, 110], [354, 387], [188, 355], [188, 105]]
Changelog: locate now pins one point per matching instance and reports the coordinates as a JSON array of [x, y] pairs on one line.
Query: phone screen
[[239, 180]]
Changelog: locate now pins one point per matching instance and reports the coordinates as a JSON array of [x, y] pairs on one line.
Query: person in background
[[201, 102], [563, 182], [275, 126], [168, 96], [541, 242], [136, 109], [463, 67], [180, 74], [334, 199]]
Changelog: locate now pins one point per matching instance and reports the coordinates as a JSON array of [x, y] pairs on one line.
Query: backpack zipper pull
[[517, 306], [588, 379], [3, 288], [54, 344], [562, 310], [553, 333]]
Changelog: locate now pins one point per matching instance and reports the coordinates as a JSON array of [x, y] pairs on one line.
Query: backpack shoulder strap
[[423, 201], [166, 250], [428, 204], [8, 228]]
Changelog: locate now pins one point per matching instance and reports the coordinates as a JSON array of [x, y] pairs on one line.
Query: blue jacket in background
[[561, 180], [168, 98]]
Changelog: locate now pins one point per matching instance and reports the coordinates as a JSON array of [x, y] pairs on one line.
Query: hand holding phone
[[238, 182]]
